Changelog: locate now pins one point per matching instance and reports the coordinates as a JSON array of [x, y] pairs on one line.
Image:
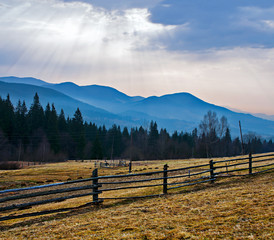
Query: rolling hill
[[25, 80], [61, 101], [104, 97], [106, 105]]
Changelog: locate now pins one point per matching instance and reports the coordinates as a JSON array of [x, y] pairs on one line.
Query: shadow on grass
[[89, 207]]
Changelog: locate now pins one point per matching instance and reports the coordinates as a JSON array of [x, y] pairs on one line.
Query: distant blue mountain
[[107, 98], [173, 106], [106, 105], [184, 106], [25, 80], [61, 101], [264, 116]]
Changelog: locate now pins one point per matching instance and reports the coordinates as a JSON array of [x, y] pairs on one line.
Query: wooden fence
[[161, 181], [110, 163]]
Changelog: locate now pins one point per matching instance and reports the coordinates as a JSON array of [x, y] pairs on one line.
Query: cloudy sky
[[222, 51]]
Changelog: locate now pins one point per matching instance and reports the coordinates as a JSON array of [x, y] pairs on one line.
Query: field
[[233, 208]]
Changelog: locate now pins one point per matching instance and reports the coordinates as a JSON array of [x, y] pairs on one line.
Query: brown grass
[[238, 208]]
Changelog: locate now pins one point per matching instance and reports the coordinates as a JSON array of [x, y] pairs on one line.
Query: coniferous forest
[[43, 135]]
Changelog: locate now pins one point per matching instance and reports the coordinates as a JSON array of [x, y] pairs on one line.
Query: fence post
[[95, 188], [165, 179], [250, 163], [129, 166], [211, 165]]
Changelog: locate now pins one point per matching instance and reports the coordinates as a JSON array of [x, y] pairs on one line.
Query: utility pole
[[241, 137], [130, 161]]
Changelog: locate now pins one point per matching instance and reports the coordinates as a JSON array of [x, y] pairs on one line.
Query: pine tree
[[36, 114], [62, 123], [77, 131], [227, 144], [97, 152], [21, 126], [153, 141], [7, 118], [51, 126]]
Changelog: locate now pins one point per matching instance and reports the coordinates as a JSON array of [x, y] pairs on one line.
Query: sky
[[218, 50]]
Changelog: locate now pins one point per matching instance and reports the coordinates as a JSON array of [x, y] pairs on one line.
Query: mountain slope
[[26, 92], [179, 111], [184, 106], [264, 116], [90, 113], [104, 97], [172, 106], [25, 80]]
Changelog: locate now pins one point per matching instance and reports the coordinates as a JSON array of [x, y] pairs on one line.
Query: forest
[[43, 135]]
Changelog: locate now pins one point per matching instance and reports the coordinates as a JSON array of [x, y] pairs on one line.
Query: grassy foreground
[[238, 208]]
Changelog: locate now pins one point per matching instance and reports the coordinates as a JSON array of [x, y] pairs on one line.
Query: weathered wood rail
[[161, 181]]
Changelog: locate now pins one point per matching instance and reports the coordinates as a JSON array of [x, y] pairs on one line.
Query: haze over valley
[[107, 106]]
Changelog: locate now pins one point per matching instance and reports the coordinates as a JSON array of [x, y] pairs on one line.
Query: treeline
[[43, 135]]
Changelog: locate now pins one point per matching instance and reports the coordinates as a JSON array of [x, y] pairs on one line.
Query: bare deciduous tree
[[212, 129]]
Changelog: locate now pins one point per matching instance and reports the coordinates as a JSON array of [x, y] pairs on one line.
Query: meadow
[[231, 208]]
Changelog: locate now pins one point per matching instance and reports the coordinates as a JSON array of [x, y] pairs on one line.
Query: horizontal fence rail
[[189, 174], [46, 186], [161, 182], [26, 205], [36, 194]]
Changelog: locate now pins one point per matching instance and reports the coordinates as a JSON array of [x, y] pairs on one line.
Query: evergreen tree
[[126, 143], [78, 135], [102, 134], [36, 120], [47, 117], [226, 144], [187, 145], [62, 123], [21, 125], [114, 142], [236, 147], [45, 135], [97, 152], [7, 122], [51, 123], [164, 139], [153, 141], [36, 114]]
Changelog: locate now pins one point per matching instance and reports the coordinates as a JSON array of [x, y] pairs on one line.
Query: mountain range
[[108, 106]]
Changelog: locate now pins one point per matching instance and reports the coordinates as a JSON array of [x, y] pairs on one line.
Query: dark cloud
[[216, 23]]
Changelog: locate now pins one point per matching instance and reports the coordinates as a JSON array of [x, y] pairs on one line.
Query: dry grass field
[[233, 208]]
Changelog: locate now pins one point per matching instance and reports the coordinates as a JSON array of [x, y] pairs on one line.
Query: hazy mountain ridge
[[173, 106], [106, 105], [259, 115], [26, 92], [264, 116], [96, 95], [25, 80]]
